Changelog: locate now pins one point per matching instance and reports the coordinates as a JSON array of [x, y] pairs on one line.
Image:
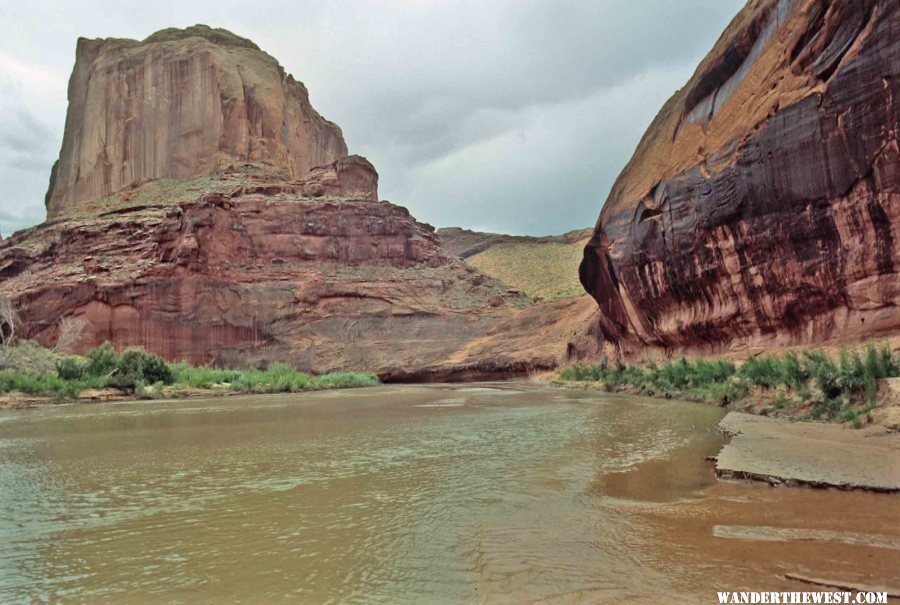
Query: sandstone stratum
[[201, 208], [762, 206]]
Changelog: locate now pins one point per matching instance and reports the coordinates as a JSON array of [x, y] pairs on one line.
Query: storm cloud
[[504, 116]]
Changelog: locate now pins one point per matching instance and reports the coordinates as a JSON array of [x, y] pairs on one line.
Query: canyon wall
[[243, 268], [762, 206], [179, 104], [203, 210]]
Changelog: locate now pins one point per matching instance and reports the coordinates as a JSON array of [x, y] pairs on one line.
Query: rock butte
[[762, 206], [201, 208], [180, 104]]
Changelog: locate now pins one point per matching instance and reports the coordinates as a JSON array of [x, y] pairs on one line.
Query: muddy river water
[[409, 494]]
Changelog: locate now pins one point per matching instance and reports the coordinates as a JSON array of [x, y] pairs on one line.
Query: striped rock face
[[762, 206], [180, 104]]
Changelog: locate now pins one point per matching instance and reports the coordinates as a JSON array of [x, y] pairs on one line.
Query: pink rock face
[[179, 104], [762, 206]]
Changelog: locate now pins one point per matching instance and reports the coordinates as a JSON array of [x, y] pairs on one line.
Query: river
[[500, 492]]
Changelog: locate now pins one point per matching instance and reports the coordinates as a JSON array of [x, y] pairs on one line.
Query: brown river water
[[501, 492]]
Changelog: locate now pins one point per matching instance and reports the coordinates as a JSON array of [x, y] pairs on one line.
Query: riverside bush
[[46, 383], [133, 368], [102, 361], [853, 377], [70, 368], [156, 370], [146, 375]]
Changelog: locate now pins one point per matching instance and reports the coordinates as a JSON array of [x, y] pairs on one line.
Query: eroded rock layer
[[762, 206], [180, 104], [245, 268]]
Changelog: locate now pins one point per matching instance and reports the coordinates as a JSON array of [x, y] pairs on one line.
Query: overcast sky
[[509, 116]]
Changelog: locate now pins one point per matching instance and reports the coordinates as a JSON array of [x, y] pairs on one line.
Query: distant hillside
[[541, 267]]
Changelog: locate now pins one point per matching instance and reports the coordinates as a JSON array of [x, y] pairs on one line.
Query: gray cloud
[[28, 147], [25, 142], [507, 115]]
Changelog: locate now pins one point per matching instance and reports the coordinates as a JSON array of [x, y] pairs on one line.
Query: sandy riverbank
[[813, 454]]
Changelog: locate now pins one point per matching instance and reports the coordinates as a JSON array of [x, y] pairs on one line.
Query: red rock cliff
[[265, 243], [180, 104], [242, 268], [762, 206]]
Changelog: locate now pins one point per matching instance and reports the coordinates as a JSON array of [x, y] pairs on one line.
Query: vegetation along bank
[[106, 374]]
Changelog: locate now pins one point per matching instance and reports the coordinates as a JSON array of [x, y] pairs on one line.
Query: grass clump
[[831, 389], [202, 377]]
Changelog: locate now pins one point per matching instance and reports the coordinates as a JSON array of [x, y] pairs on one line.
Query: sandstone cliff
[[244, 267], [180, 104], [202, 209], [762, 206]]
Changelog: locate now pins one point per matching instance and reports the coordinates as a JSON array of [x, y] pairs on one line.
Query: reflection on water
[[489, 493]]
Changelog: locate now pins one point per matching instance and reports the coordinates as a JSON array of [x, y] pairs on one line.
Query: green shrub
[[851, 372], [674, 375], [70, 368], [155, 369], [823, 371], [792, 373], [851, 378], [46, 383], [764, 371], [850, 415], [140, 389], [879, 364], [135, 368], [721, 392], [870, 388], [580, 372], [102, 361], [779, 400], [828, 408], [129, 372]]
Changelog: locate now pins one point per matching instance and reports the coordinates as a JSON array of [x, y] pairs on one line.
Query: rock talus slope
[[544, 268], [762, 206]]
